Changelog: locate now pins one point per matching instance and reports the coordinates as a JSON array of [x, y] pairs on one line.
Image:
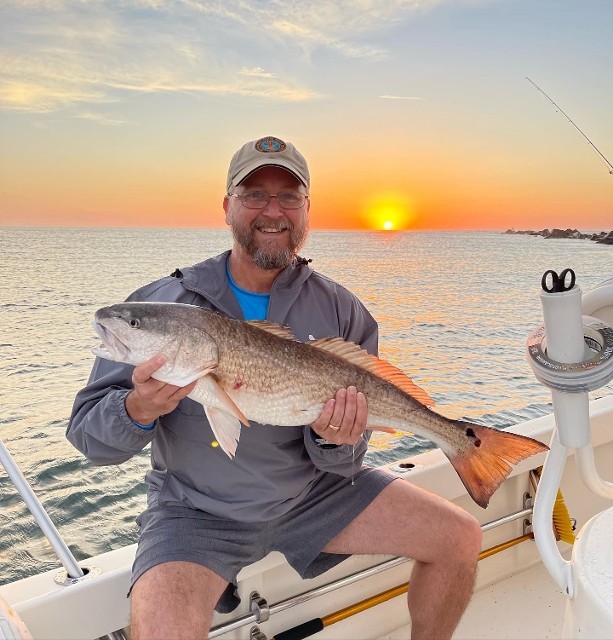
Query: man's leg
[[444, 540], [175, 601]]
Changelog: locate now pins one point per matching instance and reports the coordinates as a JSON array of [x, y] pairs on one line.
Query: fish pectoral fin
[[183, 381], [209, 394], [226, 428], [223, 415]]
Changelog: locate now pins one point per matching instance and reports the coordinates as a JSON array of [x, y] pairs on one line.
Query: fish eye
[[135, 323]]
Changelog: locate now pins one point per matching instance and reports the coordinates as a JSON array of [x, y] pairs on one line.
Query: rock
[[603, 237], [607, 239], [556, 233], [566, 233]]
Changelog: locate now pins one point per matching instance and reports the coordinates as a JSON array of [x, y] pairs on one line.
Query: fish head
[[134, 332]]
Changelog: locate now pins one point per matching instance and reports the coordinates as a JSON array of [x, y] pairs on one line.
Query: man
[[299, 490]]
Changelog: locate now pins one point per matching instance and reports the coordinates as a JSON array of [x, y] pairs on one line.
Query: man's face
[[270, 236]]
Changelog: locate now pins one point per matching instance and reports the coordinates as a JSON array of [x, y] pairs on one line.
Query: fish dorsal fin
[[381, 368], [272, 327]]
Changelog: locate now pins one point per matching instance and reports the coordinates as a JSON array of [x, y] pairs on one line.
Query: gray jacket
[[274, 467]]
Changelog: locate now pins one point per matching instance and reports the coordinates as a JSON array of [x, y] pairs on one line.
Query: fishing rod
[[558, 108]]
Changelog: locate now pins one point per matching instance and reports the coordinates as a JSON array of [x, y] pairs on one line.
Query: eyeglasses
[[260, 199]]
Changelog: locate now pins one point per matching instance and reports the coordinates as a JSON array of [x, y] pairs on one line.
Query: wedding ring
[[331, 426]]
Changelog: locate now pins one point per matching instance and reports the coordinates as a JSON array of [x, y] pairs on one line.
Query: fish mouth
[[111, 347]]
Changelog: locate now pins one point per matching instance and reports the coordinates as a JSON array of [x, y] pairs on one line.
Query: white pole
[[565, 344], [547, 492], [39, 513]]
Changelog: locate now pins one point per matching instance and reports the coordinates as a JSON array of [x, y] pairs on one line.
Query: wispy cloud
[[76, 54], [256, 72], [387, 97], [101, 118]]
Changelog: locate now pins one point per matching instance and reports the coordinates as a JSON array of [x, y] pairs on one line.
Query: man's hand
[[343, 419], [150, 398]]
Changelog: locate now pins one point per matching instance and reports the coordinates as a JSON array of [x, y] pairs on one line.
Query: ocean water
[[454, 311]]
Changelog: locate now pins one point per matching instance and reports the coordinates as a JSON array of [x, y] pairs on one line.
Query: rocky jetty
[[603, 237]]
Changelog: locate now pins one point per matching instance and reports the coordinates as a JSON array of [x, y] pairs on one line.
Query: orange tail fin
[[486, 462]]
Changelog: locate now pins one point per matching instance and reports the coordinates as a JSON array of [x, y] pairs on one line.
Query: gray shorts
[[174, 533]]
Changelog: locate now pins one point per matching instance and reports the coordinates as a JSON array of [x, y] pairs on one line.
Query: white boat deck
[[527, 605]]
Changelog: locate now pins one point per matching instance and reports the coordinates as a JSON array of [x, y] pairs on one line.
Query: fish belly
[[282, 409]]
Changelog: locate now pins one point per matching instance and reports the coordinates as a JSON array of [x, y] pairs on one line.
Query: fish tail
[[487, 461]]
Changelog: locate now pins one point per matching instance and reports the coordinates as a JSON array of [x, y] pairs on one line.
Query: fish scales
[[296, 379]]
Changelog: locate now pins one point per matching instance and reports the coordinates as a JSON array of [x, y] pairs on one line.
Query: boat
[[530, 583]]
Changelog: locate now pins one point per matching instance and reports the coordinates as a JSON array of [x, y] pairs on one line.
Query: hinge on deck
[[259, 606], [256, 634], [528, 504]]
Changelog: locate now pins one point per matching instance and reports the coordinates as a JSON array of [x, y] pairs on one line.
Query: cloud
[[387, 97], [80, 54], [101, 119], [256, 72]]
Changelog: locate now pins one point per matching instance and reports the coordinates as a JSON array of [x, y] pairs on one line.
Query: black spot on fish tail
[[471, 434]]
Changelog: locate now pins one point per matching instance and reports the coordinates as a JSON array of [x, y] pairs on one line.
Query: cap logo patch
[[270, 144]]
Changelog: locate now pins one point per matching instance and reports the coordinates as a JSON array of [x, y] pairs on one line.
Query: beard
[[266, 254]]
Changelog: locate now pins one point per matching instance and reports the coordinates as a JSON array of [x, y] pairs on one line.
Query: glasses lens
[[260, 199], [290, 200], [255, 199]]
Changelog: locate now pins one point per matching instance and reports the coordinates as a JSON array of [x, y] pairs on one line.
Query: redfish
[[258, 371]]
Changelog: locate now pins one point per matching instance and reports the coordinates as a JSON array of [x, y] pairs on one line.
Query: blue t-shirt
[[254, 305]]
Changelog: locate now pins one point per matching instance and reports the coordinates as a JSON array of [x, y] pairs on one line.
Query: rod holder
[[571, 354]]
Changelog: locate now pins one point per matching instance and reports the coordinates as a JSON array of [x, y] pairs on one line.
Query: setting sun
[[389, 211]]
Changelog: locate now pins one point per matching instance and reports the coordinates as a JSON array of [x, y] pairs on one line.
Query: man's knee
[[472, 536], [464, 538], [174, 600], [458, 541]]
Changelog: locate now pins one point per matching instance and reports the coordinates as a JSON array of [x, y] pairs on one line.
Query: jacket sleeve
[[361, 328], [99, 425]]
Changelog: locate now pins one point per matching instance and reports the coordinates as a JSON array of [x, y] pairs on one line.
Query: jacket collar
[[209, 279]]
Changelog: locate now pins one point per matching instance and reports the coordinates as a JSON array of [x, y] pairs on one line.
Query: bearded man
[[303, 491]]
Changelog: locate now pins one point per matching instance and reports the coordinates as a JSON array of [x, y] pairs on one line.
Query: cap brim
[[242, 175]]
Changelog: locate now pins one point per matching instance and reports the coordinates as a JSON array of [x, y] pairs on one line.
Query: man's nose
[[273, 208]]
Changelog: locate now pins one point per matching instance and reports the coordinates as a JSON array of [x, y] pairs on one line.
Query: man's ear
[[226, 208]]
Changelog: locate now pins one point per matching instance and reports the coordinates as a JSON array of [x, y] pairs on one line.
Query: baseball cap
[[265, 152]]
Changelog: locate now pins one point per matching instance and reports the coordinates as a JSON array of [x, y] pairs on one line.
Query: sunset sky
[[412, 113]]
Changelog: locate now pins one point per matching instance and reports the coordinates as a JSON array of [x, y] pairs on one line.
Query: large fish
[[258, 371]]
